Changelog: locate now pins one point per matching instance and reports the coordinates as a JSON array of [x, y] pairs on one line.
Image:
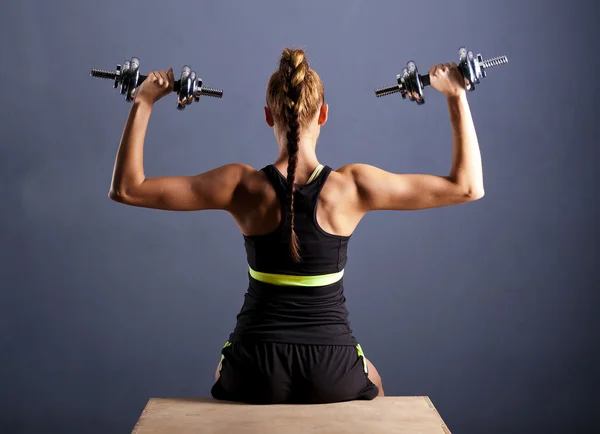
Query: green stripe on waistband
[[289, 280]]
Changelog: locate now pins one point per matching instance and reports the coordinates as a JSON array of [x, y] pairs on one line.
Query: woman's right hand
[[447, 79]]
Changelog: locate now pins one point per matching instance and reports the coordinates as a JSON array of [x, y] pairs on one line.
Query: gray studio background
[[489, 308]]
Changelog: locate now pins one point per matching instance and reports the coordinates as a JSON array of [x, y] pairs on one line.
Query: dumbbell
[[411, 83], [127, 79]]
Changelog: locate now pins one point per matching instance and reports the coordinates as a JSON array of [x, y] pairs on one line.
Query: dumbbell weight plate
[[197, 89], [124, 82], [193, 86], [468, 68], [118, 77], [133, 78], [404, 83], [185, 87], [414, 85], [128, 78]]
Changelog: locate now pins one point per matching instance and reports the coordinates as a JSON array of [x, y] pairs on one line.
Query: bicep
[[382, 190], [214, 189]]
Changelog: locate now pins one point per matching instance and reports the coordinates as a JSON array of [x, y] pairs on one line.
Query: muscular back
[[258, 210]]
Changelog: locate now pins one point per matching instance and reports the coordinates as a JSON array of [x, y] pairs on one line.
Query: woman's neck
[[307, 162]]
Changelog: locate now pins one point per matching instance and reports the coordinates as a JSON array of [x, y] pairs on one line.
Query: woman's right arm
[[380, 190]]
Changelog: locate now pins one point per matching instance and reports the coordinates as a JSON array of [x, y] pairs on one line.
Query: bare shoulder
[[370, 185], [237, 176], [224, 187], [250, 179], [343, 183], [357, 174], [252, 186], [238, 171], [357, 169]]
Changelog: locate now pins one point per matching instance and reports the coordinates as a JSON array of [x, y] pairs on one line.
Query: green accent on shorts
[[362, 354], [222, 356]]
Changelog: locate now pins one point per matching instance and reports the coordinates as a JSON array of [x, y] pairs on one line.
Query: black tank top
[[295, 314]]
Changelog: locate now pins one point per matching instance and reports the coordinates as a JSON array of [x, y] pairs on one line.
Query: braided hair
[[294, 95]]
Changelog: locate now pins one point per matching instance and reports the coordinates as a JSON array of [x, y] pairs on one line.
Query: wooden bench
[[390, 414]]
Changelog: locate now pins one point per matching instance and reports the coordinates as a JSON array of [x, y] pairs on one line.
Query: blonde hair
[[294, 95]]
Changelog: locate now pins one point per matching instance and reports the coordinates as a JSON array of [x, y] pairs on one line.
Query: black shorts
[[276, 373]]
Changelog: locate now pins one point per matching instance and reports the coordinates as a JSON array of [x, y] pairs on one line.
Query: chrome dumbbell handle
[[472, 69], [384, 91], [112, 75], [127, 78]]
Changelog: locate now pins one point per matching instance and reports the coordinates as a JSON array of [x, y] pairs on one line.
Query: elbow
[[474, 193], [127, 194], [117, 196]]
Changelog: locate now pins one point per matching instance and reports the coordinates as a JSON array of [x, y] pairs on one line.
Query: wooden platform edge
[[442, 423], [428, 401], [137, 427]]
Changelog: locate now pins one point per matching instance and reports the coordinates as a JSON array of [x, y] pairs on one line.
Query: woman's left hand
[[157, 85]]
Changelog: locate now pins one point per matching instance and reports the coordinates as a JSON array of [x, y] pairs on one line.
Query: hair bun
[[291, 59]]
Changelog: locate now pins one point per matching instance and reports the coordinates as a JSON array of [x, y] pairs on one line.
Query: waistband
[[291, 280]]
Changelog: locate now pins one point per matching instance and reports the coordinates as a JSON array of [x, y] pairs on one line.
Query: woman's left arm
[[214, 189]]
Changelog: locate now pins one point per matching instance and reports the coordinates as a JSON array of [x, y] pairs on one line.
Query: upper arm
[[214, 189], [380, 190]]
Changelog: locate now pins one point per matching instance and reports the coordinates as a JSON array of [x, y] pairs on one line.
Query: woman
[[292, 341]]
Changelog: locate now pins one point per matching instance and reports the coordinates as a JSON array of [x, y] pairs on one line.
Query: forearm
[[129, 164], [466, 168]]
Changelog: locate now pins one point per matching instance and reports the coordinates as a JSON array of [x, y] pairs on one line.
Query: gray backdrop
[[489, 308]]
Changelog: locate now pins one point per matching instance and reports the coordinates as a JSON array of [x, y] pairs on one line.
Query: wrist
[[457, 98], [142, 103]]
